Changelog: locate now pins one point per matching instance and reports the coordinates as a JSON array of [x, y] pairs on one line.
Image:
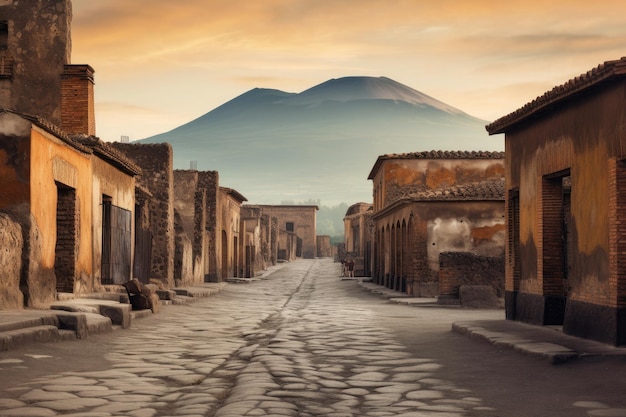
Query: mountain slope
[[320, 144]]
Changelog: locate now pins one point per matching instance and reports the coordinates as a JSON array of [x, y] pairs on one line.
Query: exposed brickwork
[[551, 243], [77, 100], [617, 234], [67, 239]]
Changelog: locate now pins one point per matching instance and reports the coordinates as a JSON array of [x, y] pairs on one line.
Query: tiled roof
[[486, 189], [50, 128], [435, 155], [602, 73], [445, 155], [108, 153], [489, 189]]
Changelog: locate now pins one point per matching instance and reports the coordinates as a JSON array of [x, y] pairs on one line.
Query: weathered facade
[[296, 224], [359, 236], [157, 178], [324, 247], [35, 47], [427, 203], [228, 250], [566, 206], [254, 240], [191, 264], [54, 187]]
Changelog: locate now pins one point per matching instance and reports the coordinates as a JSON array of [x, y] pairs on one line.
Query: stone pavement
[[295, 343], [254, 350]]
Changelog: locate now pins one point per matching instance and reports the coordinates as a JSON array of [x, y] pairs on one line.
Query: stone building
[[72, 195], [297, 230], [229, 257], [428, 203], [358, 237], [191, 264], [74, 203], [566, 206], [324, 247], [156, 208], [254, 241]]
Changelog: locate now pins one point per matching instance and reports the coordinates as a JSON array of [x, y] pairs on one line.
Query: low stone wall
[[458, 269], [11, 246]]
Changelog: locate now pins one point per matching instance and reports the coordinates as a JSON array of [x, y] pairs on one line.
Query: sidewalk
[[77, 318], [545, 342]]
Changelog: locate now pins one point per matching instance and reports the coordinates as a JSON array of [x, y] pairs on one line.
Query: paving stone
[[424, 395], [73, 404], [28, 412]]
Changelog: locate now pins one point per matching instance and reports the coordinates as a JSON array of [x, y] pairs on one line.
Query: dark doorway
[[116, 243], [66, 249], [143, 249]]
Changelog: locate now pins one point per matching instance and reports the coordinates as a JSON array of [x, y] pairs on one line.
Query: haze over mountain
[[273, 146]]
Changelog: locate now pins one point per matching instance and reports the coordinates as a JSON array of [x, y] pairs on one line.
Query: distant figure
[[350, 265], [344, 268]]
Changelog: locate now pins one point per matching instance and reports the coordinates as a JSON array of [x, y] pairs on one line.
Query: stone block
[[11, 245], [118, 313], [479, 296], [73, 321]]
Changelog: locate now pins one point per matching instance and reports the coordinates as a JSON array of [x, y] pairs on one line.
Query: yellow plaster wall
[[53, 160]]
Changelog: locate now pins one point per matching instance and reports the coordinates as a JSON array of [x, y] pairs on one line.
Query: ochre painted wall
[[580, 137], [52, 160]]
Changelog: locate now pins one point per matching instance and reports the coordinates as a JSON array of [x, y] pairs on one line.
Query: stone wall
[[209, 181], [324, 248], [37, 48], [458, 269], [12, 244], [155, 161]]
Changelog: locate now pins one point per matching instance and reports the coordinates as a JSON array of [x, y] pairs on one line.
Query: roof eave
[[602, 73]]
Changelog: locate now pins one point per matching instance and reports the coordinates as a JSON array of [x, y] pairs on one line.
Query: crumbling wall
[[37, 49], [458, 269], [209, 181], [156, 163], [11, 247]]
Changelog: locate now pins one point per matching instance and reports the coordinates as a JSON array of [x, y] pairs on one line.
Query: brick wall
[[464, 268], [617, 234], [550, 259], [67, 239], [77, 100]]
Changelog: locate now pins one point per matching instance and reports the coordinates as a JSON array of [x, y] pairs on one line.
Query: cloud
[[198, 54]]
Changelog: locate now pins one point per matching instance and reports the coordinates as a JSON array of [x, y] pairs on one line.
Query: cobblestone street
[[299, 343]]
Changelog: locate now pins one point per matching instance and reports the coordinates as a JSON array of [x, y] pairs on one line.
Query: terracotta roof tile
[[488, 189], [445, 155], [108, 153]]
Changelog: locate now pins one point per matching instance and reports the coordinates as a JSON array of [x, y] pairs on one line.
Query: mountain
[[320, 144]]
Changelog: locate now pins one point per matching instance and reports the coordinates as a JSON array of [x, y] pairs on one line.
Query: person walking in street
[[350, 265]]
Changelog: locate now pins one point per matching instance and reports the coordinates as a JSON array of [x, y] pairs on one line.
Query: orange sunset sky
[[162, 63]]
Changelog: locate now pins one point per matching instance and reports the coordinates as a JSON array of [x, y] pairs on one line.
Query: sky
[[162, 63]]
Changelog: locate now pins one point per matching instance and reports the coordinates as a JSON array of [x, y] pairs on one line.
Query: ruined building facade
[[80, 215], [430, 203], [566, 206]]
